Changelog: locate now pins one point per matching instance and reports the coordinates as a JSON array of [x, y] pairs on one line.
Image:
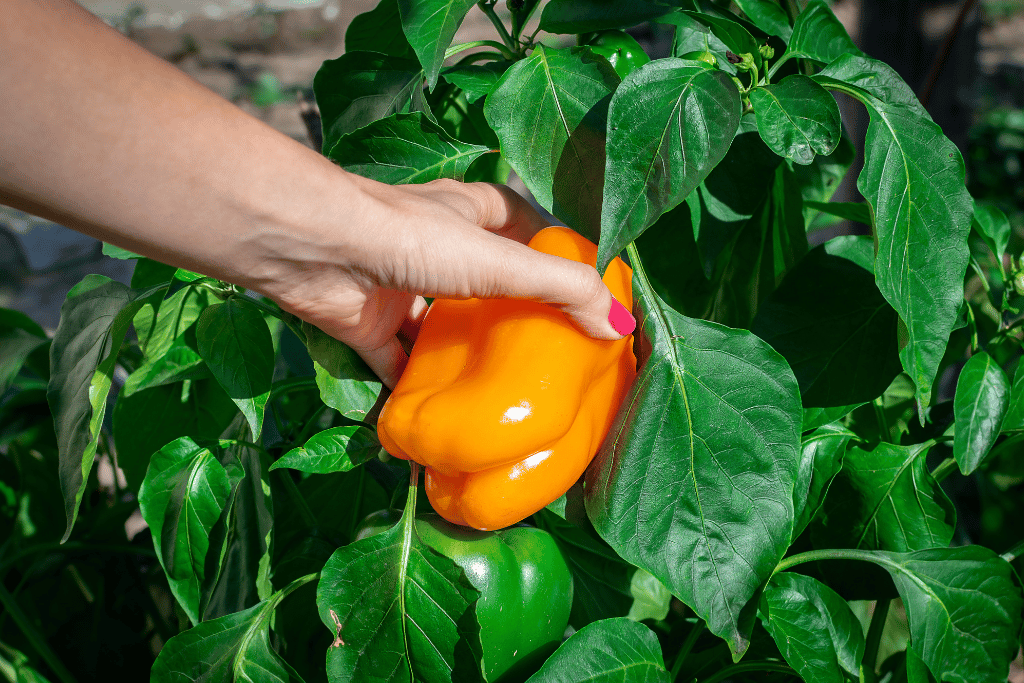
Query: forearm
[[127, 148]]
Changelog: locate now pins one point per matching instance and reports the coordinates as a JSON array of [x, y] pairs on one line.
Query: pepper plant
[[785, 485]]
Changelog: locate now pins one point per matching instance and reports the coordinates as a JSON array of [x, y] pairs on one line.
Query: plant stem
[[943, 470], [33, 636], [792, 9], [462, 47], [943, 54], [975, 346], [816, 555], [730, 671], [874, 638], [684, 651], [488, 9], [1014, 552]]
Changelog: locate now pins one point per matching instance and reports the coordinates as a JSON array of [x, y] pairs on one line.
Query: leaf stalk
[[874, 638]]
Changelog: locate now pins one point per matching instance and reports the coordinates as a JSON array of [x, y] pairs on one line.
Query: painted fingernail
[[621, 319]]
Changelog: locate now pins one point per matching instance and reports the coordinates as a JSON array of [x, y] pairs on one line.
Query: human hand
[[440, 239]]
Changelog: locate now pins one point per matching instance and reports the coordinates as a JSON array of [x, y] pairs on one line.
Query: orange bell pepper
[[505, 402]]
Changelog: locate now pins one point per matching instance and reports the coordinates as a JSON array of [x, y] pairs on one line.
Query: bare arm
[[104, 137]]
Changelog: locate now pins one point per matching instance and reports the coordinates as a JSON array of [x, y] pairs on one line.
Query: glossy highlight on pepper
[[505, 402]]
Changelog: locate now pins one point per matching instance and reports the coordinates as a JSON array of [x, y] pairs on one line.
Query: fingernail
[[621, 319]]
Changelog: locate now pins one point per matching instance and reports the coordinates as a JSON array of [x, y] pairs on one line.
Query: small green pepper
[[524, 583], [621, 50]]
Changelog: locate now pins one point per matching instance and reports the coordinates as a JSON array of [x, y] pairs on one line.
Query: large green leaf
[[797, 118], [964, 610], [817, 34], [359, 88], [814, 628], [669, 123], [885, 499], [601, 579], [235, 343], [200, 410], [584, 16], [695, 480], [185, 489], [379, 30], [835, 329], [768, 16], [557, 143], [346, 383], [913, 177], [475, 80], [404, 148], [234, 647], [19, 337], [93, 322], [821, 459], [620, 650], [398, 611], [430, 26], [338, 449], [982, 397]]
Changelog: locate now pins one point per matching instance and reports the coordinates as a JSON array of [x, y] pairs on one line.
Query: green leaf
[[835, 329], [885, 499], [913, 177], [185, 489], [557, 144], [601, 579], [397, 610], [359, 88], [797, 118], [201, 411], [119, 253], [338, 449], [181, 361], [1013, 421], [430, 26], [816, 417], [475, 80], [19, 337], [670, 122], [585, 16], [609, 650], [850, 211], [651, 600], [404, 148], [814, 628], [981, 401], [993, 226], [694, 482], [821, 459], [731, 195], [235, 343], [235, 647], [346, 383], [166, 331], [767, 16], [817, 34], [93, 322], [379, 30], [964, 610]]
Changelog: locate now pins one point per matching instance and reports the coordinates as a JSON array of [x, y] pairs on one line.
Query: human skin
[[101, 136]]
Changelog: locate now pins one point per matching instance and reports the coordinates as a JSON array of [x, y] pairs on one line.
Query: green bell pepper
[[524, 582], [621, 50]]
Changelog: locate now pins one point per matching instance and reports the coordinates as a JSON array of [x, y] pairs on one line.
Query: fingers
[[520, 272], [386, 361]]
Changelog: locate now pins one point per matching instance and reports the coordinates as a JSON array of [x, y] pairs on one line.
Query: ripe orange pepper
[[505, 402]]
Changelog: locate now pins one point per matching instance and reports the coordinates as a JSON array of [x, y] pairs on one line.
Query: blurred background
[[965, 59]]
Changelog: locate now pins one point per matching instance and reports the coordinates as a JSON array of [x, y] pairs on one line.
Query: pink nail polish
[[621, 319]]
